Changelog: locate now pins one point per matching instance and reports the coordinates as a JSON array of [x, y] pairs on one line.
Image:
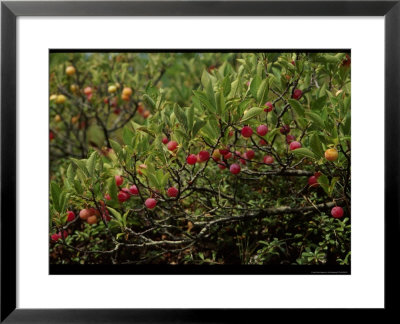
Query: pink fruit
[[70, 216], [290, 138], [133, 190], [172, 192], [285, 129], [262, 142], [228, 156], [235, 168], [119, 180], [262, 130], [150, 203], [243, 161], [224, 151], [55, 237], [250, 154], [337, 212], [87, 90], [247, 131], [222, 165], [294, 145], [107, 197], [312, 181], [204, 156], [123, 196], [191, 159], [172, 145], [297, 93], [268, 159], [269, 106], [165, 140]]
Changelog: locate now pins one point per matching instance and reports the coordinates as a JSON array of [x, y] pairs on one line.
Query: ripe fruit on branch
[[127, 92], [133, 190], [249, 155], [55, 237], [107, 196], [74, 88], [172, 145], [191, 159], [60, 99], [204, 156], [112, 88], [331, 154], [150, 203], [268, 159], [234, 168], [123, 196], [246, 131], [262, 130], [51, 135], [285, 129], [70, 70], [85, 213], [337, 212], [262, 142], [70, 216], [313, 181], [290, 138], [224, 151], [172, 192], [87, 91], [216, 155], [297, 93], [119, 180], [228, 156], [269, 106], [294, 145], [222, 165], [92, 220], [165, 140]]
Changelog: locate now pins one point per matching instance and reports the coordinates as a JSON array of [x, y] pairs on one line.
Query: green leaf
[[81, 166], [149, 100], [116, 147], [253, 112], [254, 86], [55, 192], [262, 92], [226, 86], [197, 126], [190, 117], [298, 108], [324, 182], [70, 173], [127, 136], [316, 145], [304, 152], [90, 163], [204, 101], [181, 116], [316, 119], [115, 213]]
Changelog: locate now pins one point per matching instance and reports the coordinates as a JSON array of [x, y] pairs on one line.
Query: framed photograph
[[216, 148]]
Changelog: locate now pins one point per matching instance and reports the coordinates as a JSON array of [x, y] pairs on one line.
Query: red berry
[[247, 131], [70, 216], [262, 142], [297, 93], [224, 151], [262, 130], [172, 145], [87, 90], [107, 197], [290, 138], [133, 190], [242, 160], [119, 180], [293, 62], [237, 155], [285, 129], [204, 156], [268, 159], [317, 174], [55, 237], [294, 145], [51, 136], [228, 156], [230, 133], [172, 192], [250, 154], [312, 181], [269, 106], [150, 203], [65, 233], [165, 140], [235, 168], [337, 212], [123, 196], [191, 159], [222, 165]]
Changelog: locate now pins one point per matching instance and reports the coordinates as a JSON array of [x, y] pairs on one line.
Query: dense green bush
[[231, 192]]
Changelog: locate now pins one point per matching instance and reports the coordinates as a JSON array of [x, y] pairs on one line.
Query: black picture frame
[[10, 10]]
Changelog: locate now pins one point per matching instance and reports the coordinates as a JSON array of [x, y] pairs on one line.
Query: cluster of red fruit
[[55, 237]]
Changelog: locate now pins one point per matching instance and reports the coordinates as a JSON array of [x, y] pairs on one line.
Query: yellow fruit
[[74, 119], [112, 88], [216, 154], [92, 219], [127, 92], [53, 97], [70, 70], [60, 99], [125, 98], [331, 154], [57, 118], [74, 88]]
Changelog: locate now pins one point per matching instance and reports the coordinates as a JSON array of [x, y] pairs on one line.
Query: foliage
[[265, 214]]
